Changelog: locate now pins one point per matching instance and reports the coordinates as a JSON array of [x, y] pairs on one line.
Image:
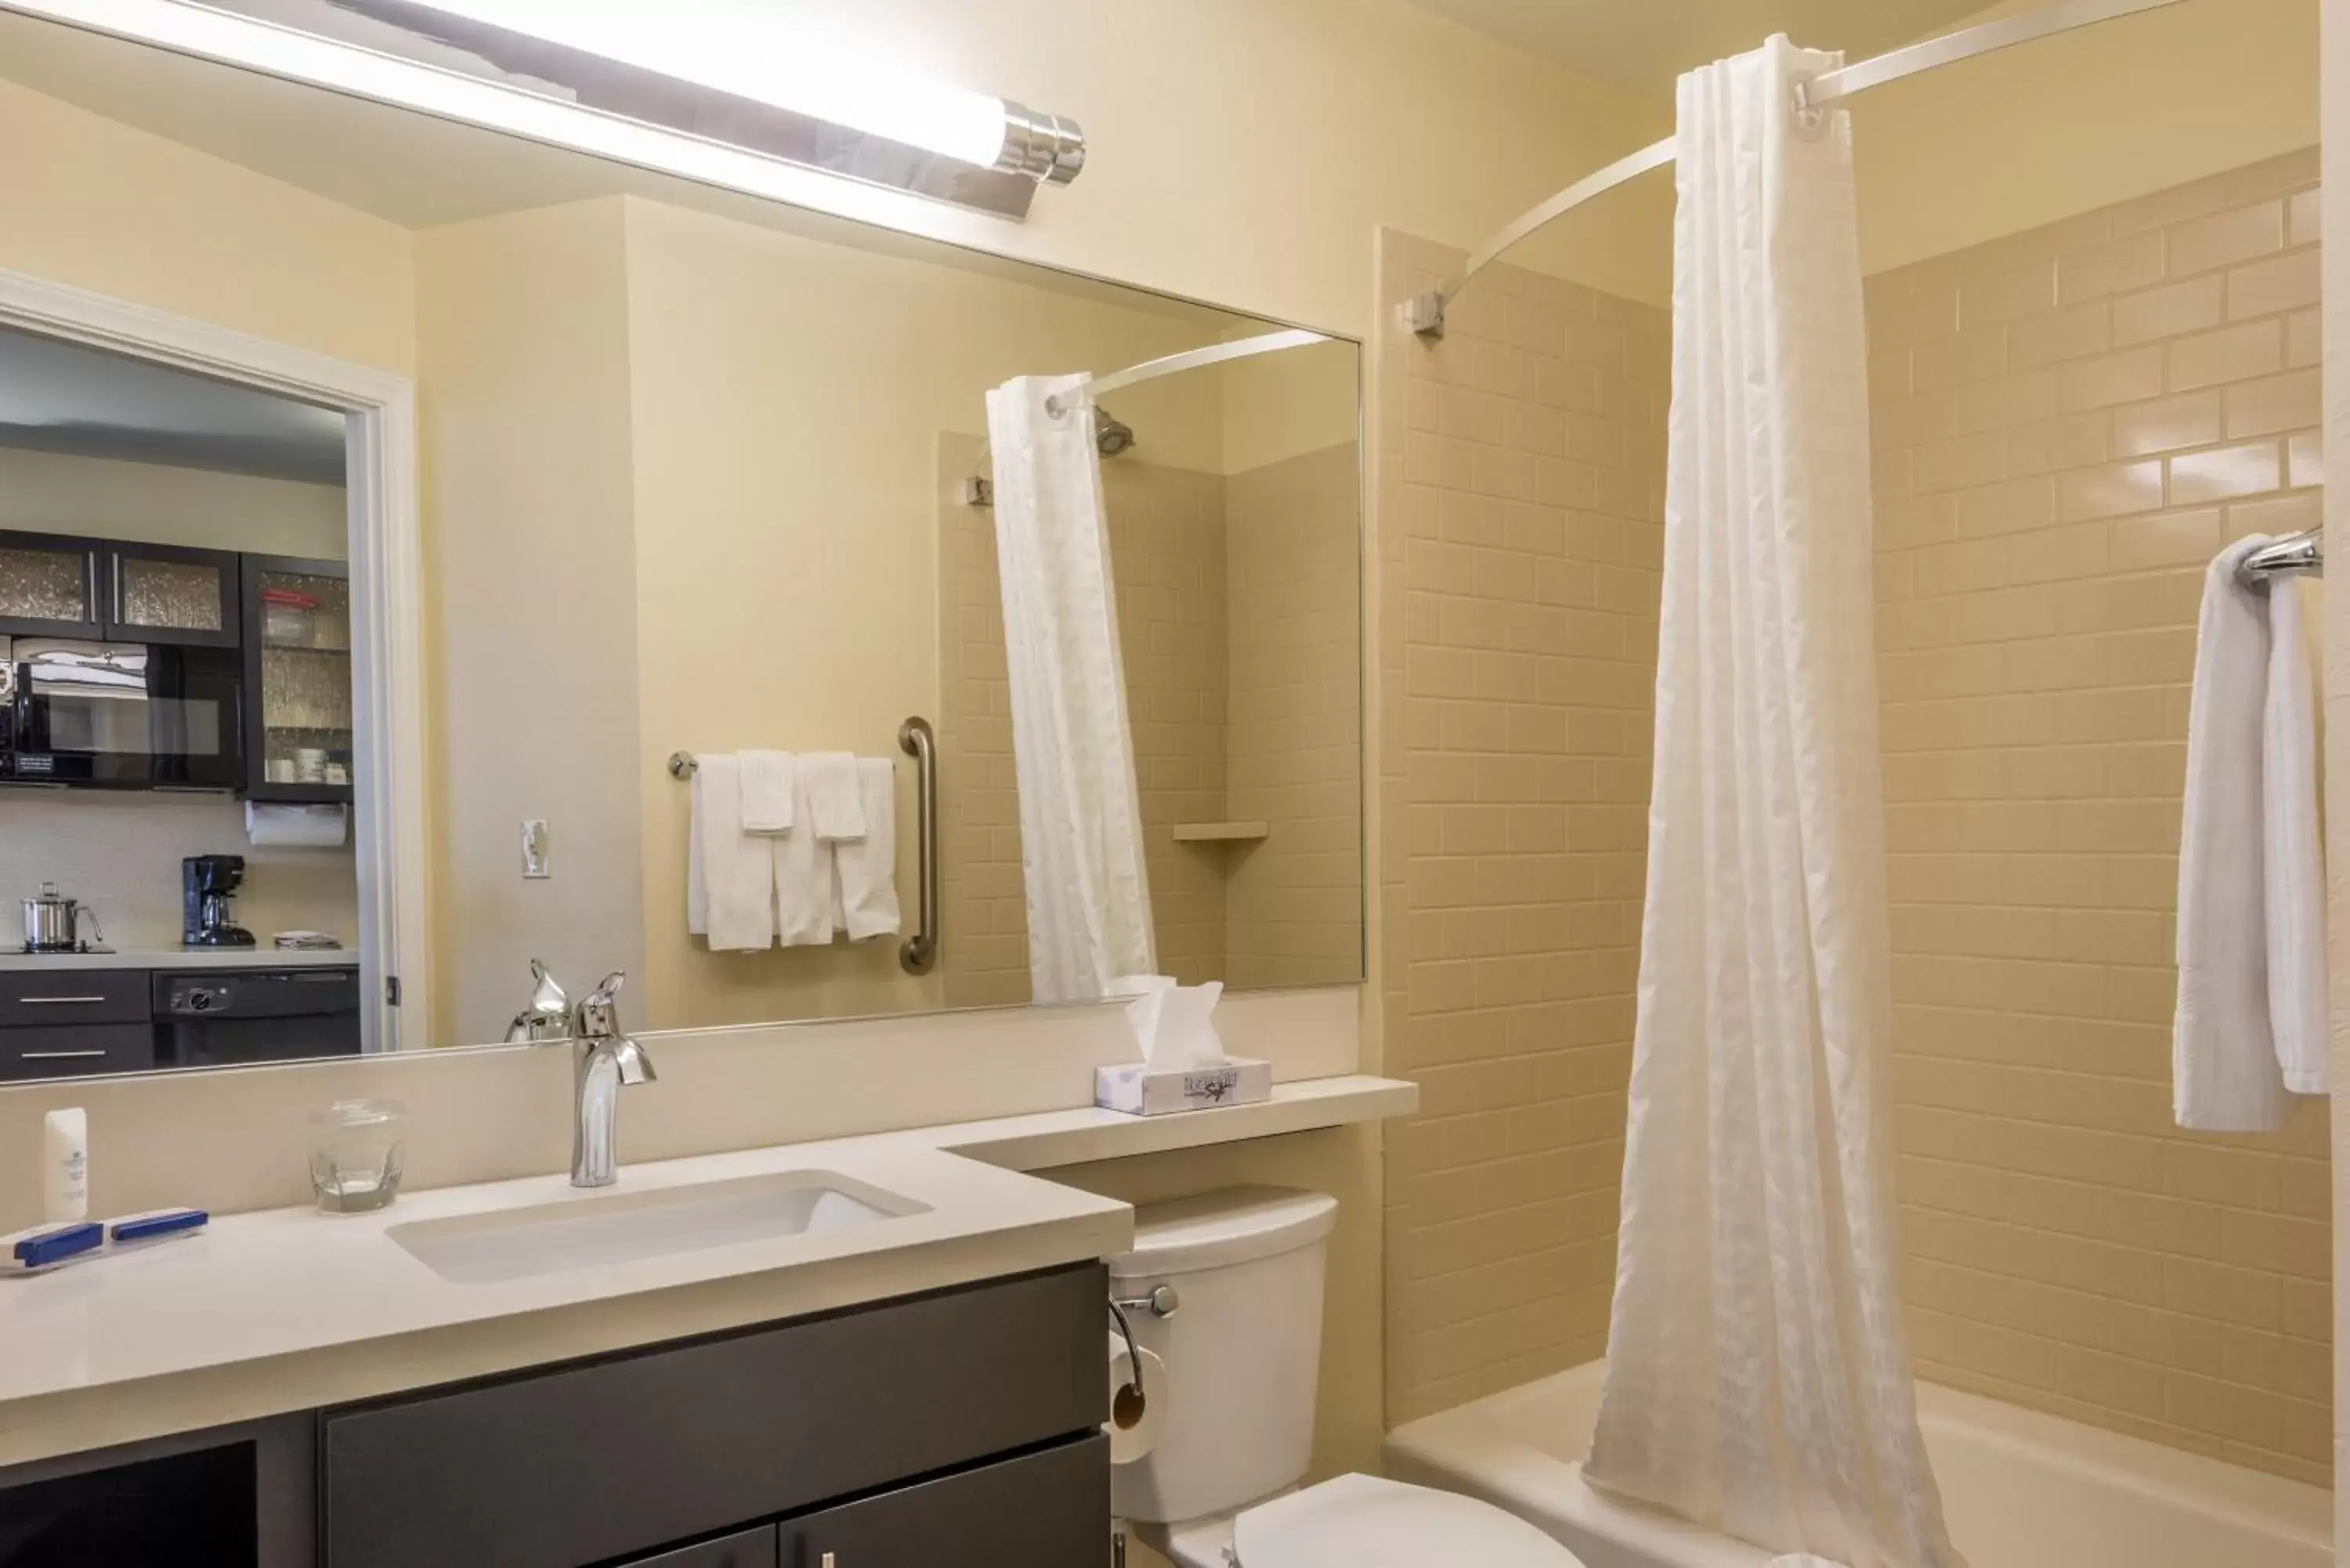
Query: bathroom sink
[[630, 1226]]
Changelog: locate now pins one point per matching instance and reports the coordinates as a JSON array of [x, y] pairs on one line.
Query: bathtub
[[2020, 1490]]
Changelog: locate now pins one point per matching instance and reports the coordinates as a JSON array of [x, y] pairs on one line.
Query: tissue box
[[1141, 1090]]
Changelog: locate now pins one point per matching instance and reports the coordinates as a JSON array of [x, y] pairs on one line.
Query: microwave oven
[[120, 716]]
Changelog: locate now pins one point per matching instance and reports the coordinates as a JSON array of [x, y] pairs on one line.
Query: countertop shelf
[[1222, 832]]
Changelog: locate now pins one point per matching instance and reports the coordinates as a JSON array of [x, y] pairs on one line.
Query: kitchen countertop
[[262, 956], [289, 1309]]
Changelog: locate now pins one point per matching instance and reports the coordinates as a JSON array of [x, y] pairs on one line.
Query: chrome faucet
[[548, 1016], [605, 1061]]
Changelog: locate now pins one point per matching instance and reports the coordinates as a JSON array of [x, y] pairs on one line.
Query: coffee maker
[[208, 883]]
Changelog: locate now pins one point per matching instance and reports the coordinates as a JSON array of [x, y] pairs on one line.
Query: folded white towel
[[866, 869], [2291, 856], [803, 873], [2246, 926], [766, 792], [835, 803], [730, 877]]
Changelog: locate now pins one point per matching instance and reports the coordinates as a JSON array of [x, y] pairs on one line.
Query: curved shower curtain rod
[[1192, 360], [1424, 312]]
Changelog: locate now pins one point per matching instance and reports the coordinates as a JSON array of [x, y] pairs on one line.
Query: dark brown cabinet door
[[745, 1549], [48, 586], [163, 594], [1049, 1509]]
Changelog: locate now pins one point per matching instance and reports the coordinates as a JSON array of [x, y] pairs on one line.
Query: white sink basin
[[630, 1226]]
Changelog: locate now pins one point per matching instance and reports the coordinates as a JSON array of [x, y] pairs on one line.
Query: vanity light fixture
[[808, 106]]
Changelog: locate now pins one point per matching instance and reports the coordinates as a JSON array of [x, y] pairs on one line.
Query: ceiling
[[1645, 44], [60, 397]]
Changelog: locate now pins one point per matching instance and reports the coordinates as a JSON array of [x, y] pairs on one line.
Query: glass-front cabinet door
[[162, 593], [298, 679], [48, 586]]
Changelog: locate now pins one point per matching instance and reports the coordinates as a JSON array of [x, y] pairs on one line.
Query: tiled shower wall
[[2069, 423], [1240, 626], [1521, 478]]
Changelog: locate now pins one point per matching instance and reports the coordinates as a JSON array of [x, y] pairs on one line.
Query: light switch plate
[[534, 849]]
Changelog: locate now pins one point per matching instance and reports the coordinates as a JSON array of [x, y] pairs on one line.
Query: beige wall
[[157, 503], [1518, 543], [525, 419], [2069, 423], [2335, 287], [2025, 137]]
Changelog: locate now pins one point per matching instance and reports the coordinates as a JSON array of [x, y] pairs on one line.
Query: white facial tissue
[[1173, 1024]]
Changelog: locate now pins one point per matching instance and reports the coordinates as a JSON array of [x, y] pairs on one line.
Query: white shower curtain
[[1080, 816], [1757, 1377]]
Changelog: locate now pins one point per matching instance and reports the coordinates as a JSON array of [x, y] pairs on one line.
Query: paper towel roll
[[296, 826], [1134, 1425]]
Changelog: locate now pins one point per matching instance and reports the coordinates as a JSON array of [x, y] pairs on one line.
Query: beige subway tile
[[2224, 473], [2073, 333], [2304, 219], [2273, 404], [2305, 453], [2166, 539], [2199, 244], [2128, 377], [2304, 340], [2007, 292], [2167, 424], [2287, 282], [1973, 355], [2133, 262], [2230, 354], [2110, 491], [2076, 440], [2169, 310]]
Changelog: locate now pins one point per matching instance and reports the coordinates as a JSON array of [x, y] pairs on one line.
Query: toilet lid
[[1362, 1521]]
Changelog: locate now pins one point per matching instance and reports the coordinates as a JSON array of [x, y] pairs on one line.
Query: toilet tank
[[1242, 1350]]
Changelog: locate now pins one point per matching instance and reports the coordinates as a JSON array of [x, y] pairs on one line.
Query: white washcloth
[[803, 873], [730, 877], [2226, 1049], [835, 803], [766, 792], [866, 869]]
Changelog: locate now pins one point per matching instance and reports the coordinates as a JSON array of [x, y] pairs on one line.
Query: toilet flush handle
[[1161, 1302]]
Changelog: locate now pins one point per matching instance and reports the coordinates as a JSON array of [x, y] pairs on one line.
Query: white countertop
[[289, 1309], [262, 956]]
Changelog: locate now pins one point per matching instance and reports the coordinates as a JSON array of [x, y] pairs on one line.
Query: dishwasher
[[229, 1018]]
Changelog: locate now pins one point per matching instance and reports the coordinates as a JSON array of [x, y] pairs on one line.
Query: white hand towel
[[2292, 858], [803, 873], [766, 792], [835, 801], [730, 876], [867, 868], [2226, 1072]]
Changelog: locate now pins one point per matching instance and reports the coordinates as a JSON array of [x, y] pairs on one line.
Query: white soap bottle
[[65, 1167]]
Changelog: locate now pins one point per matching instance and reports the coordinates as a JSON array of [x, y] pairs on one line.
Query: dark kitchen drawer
[[744, 1549], [51, 996], [1044, 1510], [76, 1049], [623, 1456]]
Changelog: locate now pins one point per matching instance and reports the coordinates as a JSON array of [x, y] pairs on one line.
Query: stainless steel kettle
[[53, 923]]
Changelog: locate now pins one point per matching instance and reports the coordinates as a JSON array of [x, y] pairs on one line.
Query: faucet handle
[[599, 1014], [548, 1015]]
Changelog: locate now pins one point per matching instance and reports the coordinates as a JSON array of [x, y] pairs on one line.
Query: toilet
[[1242, 1350]]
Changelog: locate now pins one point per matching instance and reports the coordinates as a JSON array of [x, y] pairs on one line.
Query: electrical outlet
[[534, 849]]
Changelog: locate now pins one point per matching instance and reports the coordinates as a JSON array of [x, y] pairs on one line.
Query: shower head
[[1111, 435]]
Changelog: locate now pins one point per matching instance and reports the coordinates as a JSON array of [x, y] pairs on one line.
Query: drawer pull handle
[[827, 1560], [58, 1055], [58, 1000]]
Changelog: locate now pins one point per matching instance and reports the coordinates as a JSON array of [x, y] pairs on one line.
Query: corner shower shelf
[[1222, 832]]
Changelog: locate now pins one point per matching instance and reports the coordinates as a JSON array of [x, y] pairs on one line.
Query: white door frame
[[389, 824]]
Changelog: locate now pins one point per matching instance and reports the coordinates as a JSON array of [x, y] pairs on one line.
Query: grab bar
[[920, 951]]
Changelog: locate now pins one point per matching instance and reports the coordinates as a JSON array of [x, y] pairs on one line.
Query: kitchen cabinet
[[73, 1023], [738, 1548], [113, 590], [297, 680]]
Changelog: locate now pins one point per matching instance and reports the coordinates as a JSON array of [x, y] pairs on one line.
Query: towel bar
[[2295, 556], [919, 954]]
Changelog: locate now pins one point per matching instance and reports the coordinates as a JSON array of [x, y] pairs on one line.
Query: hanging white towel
[[834, 805], [804, 912], [766, 792], [729, 876], [866, 869], [2251, 939], [1757, 1376]]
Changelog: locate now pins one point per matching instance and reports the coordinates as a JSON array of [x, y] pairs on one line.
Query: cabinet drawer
[[74, 1050], [73, 996], [622, 1457], [745, 1549], [1045, 1511]]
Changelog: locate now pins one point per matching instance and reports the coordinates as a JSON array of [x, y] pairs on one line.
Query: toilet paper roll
[[1134, 1421]]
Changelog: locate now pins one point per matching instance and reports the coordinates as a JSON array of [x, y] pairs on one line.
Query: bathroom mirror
[[694, 476]]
